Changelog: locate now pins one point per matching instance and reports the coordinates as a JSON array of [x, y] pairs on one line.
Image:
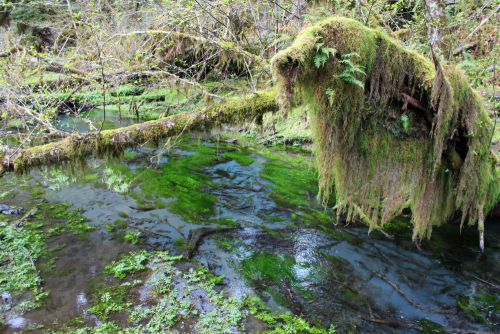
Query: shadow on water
[[288, 252]]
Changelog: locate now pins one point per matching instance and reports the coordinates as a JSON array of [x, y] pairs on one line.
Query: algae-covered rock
[[358, 82]]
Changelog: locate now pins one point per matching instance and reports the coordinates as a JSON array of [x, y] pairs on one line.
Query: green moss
[[241, 159], [36, 192], [271, 218], [92, 177], [430, 327], [227, 221], [129, 155], [120, 223], [74, 221], [292, 183], [123, 214], [482, 307]]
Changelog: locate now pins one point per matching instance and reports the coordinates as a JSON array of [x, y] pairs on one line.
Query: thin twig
[[143, 229]]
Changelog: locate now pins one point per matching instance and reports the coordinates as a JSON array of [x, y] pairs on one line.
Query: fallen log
[[196, 235], [78, 147]]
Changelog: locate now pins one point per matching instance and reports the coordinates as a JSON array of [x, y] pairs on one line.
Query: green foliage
[[351, 69], [131, 263], [322, 55], [132, 237], [406, 121], [115, 181], [112, 299]]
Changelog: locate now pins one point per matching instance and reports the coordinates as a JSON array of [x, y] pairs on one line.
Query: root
[[387, 322], [196, 235], [403, 294]]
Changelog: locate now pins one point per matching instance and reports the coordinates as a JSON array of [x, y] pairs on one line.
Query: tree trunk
[[436, 26]]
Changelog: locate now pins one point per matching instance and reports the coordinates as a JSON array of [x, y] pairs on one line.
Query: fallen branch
[[148, 231], [75, 147], [403, 294], [359, 294], [484, 21], [19, 221], [196, 235], [465, 47], [32, 263], [485, 282], [52, 63]]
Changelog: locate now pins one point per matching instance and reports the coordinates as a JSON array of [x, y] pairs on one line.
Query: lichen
[[377, 172]]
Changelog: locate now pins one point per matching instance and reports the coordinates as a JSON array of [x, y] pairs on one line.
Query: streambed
[[284, 248]]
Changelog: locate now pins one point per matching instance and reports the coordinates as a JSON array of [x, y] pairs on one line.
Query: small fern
[[406, 121], [322, 55], [351, 69]]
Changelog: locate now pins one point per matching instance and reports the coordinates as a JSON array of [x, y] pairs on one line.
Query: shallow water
[[327, 270]]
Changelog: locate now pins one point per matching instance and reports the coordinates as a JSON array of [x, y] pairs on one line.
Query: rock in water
[[7, 210]]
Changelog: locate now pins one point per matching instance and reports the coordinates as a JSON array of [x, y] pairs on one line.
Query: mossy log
[[249, 108], [360, 85]]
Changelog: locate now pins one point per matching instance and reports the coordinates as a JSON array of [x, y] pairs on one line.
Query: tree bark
[[436, 28], [249, 108]]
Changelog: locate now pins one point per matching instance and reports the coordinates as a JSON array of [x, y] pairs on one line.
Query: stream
[[279, 244]]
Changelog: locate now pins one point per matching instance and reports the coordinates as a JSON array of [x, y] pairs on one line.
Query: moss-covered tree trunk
[[391, 129], [249, 108]]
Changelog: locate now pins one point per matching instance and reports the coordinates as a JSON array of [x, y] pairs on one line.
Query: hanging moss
[[405, 133]]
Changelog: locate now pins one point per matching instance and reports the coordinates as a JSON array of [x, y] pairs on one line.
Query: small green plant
[[109, 228], [406, 121], [115, 181], [351, 69], [6, 193], [112, 299], [132, 237], [131, 263], [57, 177], [123, 214], [322, 55], [120, 223]]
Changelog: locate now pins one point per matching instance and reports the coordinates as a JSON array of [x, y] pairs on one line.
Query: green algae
[[429, 327], [36, 192], [291, 184], [109, 228]]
